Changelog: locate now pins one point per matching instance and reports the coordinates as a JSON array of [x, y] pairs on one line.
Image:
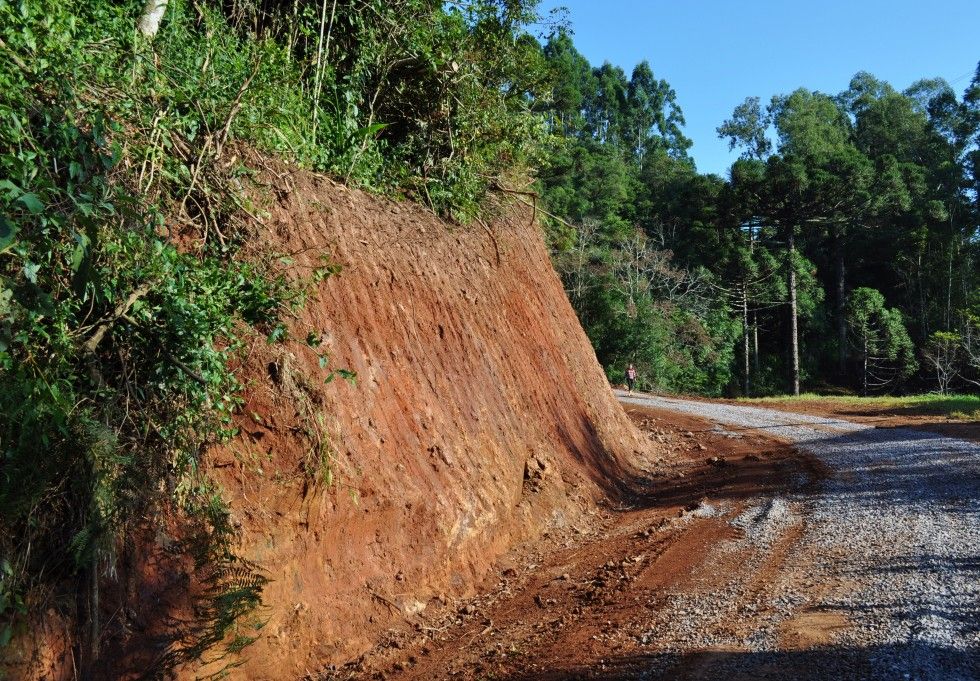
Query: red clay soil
[[479, 419], [579, 605]]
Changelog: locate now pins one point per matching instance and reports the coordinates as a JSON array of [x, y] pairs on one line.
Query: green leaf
[[347, 375], [278, 334], [8, 233], [32, 203], [11, 189], [77, 256], [368, 131], [30, 271]]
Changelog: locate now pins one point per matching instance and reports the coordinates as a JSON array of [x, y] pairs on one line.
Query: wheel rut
[[771, 545]]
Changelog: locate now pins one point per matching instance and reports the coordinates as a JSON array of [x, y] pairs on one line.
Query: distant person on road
[[631, 377]]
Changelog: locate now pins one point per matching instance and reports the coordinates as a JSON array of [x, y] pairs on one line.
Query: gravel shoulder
[[888, 554], [881, 415]]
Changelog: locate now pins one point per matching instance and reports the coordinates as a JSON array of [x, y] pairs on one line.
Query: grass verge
[[956, 407]]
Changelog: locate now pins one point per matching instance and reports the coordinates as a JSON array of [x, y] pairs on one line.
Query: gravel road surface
[[880, 579]]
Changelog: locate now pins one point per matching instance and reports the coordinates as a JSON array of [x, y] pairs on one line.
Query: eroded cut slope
[[479, 418]]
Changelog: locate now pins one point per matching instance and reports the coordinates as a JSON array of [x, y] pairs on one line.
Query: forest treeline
[[840, 250]]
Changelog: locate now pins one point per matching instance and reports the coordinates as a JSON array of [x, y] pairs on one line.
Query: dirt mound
[[479, 418]]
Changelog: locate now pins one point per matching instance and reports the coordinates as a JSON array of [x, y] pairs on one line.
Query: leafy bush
[[122, 206], [114, 341], [429, 98]]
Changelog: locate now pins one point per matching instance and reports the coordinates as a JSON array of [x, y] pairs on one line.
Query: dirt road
[[853, 555]]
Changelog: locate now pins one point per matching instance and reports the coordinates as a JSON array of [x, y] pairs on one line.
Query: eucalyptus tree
[[572, 81], [652, 119], [747, 128], [606, 104]]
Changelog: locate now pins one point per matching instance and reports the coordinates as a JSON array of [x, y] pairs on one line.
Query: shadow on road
[[827, 663]]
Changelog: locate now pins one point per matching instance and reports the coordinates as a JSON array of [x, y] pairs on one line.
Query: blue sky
[[715, 53]]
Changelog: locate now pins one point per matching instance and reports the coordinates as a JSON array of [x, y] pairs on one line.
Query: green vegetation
[[840, 250], [124, 293], [114, 342], [620, 174]]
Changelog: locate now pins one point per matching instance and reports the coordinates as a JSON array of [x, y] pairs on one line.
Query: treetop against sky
[[716, 53]]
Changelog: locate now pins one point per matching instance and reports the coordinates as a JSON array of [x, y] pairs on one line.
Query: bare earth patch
[[850, 554], [585, 603]]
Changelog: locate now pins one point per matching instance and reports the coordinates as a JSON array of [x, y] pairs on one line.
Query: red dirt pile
[[479, 418]]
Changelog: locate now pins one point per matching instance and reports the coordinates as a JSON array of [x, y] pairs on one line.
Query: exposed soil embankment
[[595, 607], [479, 418]]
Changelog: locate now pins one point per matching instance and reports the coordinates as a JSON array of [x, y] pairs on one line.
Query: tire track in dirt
[[854, 557], [602, 603]]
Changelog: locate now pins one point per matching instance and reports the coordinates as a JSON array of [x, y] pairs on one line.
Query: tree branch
[[92, 344]]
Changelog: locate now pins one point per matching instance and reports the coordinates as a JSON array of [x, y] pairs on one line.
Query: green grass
[[965, 407]]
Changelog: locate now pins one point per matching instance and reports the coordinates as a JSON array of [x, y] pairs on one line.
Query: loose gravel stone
[[890, 543]]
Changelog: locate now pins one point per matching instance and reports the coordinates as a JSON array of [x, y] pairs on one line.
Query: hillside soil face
[[588, 605], [478, 419], [475, 418]]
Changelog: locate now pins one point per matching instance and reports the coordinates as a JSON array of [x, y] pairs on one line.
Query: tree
[[572, 79], [942, 354], [652, 118], [879, 341], [971, 347], [150, 18], [870, 188], [818, 183], [606, 105], [747, 128]]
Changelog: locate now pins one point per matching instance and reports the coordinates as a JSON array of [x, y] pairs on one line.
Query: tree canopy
[[833, 195]]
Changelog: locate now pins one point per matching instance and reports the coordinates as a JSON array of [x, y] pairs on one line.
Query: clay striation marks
[[633, 589]]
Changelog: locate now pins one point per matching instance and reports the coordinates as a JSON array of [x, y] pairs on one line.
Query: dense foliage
[[843, 240], [114, 341], [124, 205], [420, 96], [621, 181]]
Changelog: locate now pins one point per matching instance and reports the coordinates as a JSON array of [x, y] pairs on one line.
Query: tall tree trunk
[[745, 338], [864, 373], [794, 331], [152, 15], [923, 323], [949, 285], [841, 304], [755, 342]]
